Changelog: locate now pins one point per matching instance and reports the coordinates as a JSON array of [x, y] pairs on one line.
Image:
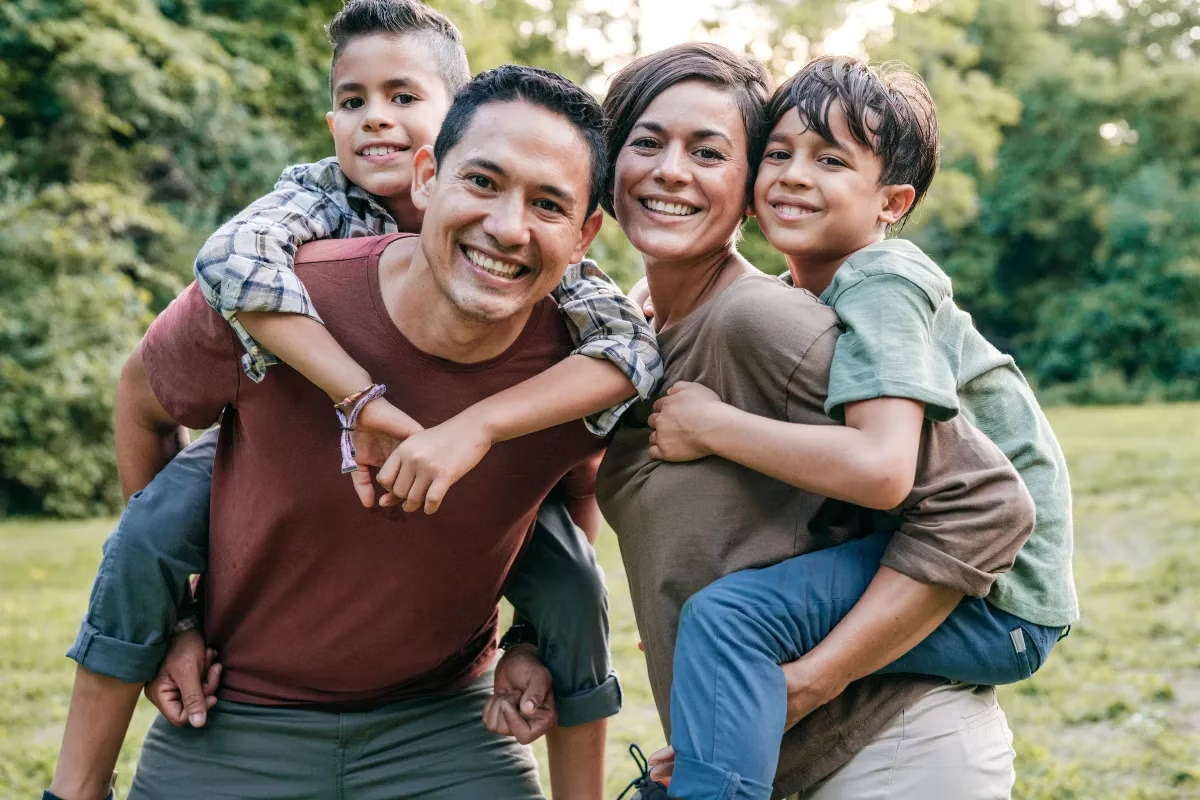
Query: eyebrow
[[566, 197], [702, 133], [394, 83]]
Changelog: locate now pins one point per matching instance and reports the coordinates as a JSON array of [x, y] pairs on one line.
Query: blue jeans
[[728, 697], [162, 540]]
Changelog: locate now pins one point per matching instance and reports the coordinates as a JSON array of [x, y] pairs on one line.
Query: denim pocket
[[1026, 657]]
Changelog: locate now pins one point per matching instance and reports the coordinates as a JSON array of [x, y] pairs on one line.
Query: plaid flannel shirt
[[247, 265]]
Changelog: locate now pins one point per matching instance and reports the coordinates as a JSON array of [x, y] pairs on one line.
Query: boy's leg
[[728, 695], [734, 634], [161, 539], [558, 586], [159, 542]]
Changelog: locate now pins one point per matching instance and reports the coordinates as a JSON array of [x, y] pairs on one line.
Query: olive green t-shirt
[[903, 336]]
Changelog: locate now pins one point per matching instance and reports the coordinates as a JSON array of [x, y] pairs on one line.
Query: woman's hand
[[682, 420]]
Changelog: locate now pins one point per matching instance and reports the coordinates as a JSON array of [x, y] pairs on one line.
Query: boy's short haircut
[[640, 82], [539, 87], [402, 18], [888, 108]]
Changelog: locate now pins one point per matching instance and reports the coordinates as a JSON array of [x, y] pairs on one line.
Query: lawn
[[1115, 714]]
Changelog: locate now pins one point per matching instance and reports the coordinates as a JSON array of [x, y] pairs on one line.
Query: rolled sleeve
[[888, 348], [967, 515], [606, 324]]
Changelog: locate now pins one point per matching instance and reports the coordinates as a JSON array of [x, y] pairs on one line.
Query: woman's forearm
[[830, 460]]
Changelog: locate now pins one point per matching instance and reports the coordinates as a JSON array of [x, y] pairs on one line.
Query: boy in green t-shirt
[[851, 152]]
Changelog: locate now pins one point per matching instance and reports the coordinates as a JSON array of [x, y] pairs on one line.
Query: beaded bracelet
[[346, 419]]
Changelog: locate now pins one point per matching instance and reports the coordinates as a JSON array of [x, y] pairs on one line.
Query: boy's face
[[506, 211], [388, 102], [818, 202]]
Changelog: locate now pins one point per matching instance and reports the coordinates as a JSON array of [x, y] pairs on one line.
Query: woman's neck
[[677, 288]]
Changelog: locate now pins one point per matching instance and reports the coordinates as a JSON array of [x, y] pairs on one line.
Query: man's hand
[[681, 419], [178, 690], [422, 469], [523, 703], [380, 429], [807, 690]]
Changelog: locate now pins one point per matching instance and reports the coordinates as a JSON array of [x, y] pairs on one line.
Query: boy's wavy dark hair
[[888, 108], [401, 18], [539, 87]]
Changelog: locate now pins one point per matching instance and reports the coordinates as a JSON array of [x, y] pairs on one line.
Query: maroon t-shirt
[[311, 598]]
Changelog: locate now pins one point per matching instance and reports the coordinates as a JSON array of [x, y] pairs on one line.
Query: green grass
[[1115, 713]]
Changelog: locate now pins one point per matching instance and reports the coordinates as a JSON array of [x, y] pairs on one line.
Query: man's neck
[[420, 309]]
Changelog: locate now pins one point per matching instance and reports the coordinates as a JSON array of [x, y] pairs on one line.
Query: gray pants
[[434, 748], [162, 539]]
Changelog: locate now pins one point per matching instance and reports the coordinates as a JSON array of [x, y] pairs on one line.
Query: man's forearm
[[894, 615], [829, 460], [576, 387], [308, 347], [577, 760], [97, 721]]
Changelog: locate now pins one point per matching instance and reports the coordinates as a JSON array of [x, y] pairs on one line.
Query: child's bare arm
[[422, 469], [871, 461]]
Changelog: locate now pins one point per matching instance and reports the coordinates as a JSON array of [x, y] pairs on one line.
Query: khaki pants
[[953, 744]]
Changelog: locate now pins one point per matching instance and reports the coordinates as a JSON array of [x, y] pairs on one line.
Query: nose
[[797, 174], [506, 222], [376, 117], [672, 167]]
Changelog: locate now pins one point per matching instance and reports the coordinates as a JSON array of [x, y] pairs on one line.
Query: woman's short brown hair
[[635, 87]]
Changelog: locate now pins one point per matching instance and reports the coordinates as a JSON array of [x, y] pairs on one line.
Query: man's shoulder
[[325, 253], [887, 260]]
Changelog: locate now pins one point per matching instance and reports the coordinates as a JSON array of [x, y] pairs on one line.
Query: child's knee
[[580, 588]]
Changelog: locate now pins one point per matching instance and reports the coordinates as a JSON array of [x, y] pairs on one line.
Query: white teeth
[[379, 150], [793, 212], [502, 269], [675, 209]]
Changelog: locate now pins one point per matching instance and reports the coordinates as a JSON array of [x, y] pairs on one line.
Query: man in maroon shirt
[[355, 640]]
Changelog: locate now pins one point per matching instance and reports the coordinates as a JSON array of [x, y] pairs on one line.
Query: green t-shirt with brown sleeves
[[903, 336]]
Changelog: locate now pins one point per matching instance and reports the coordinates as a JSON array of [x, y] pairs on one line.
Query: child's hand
[[680, 421], [422, 469], [380, 429]]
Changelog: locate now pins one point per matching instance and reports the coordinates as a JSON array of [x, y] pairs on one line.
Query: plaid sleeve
[[606, 324], [247, 265]]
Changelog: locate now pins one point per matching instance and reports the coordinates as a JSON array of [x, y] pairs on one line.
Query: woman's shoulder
[[764, 305]]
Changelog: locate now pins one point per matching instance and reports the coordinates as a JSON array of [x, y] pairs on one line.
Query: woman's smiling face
[[680, 178]]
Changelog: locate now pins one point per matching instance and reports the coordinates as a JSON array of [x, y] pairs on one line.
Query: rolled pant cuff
[[599, 702], [114, 658], [696, 780]]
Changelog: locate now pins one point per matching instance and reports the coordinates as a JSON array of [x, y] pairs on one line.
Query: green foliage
[[81, 267]]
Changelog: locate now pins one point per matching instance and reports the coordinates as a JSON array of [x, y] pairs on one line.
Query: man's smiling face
[[506, 211], [389, 100]]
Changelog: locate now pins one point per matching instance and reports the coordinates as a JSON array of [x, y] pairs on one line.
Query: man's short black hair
[[888, 108], [402, 18], [538, 87]]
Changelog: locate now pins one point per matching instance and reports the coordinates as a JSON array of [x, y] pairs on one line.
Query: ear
[[424, 177], [591, 227], [329, 121], [897, 200]]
